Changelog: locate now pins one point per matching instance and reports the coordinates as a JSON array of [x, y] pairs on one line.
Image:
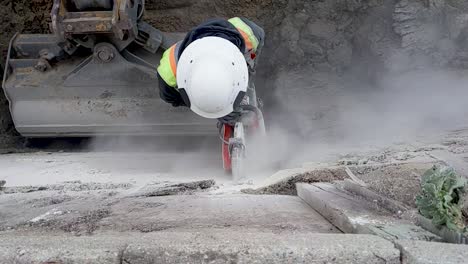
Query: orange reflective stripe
[[173, 60], [248, 43], [168, 66], [251, 41]]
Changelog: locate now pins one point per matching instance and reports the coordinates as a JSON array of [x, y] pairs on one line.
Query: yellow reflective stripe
[[165, 68], [244, 28]]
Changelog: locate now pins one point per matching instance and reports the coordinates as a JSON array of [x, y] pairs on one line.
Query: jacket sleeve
[[169, 94], [258, 32]]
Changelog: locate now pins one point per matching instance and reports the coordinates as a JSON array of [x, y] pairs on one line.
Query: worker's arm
[[169, 94], [255, 38], [167, 77], [259, 33]]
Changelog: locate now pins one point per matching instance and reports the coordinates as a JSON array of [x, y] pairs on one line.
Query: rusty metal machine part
[[95, 75], [84, 20]]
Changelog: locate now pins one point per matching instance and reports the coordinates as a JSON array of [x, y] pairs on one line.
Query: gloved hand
[[169, 94], [231, 118], [174, 101]]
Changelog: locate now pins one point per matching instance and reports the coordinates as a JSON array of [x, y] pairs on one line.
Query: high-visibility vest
[[167, 68], [250, 40]]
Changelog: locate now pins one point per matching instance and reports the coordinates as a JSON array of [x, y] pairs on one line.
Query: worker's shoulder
[[257, 30]]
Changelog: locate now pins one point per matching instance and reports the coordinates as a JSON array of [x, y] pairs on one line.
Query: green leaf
[[441, 197]]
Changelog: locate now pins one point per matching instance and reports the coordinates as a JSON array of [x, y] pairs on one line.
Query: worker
[[210, 69]]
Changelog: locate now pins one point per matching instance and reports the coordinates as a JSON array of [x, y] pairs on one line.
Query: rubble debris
[[389, 204], [397, 181], [165, 189], [75, 222], [86, 223], [73, 186], [285, 183], [44, 216], [48, 201]]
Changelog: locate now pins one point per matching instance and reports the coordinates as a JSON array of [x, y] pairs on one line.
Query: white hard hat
[[212, 76]]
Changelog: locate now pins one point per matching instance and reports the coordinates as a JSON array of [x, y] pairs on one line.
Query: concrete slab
[[422, 252], [202, 246], [353, 215], [271, 212], [89, 212]]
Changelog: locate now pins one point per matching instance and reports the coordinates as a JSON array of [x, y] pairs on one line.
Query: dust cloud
[[161, 158], [320, 114]]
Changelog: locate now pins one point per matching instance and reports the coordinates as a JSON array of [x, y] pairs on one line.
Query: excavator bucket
[[95, 75]]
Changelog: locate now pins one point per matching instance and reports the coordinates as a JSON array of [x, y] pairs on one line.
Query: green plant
[[441, 198]]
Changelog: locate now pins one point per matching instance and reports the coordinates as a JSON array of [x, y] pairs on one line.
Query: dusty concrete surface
[[151, 194], [43, 168], [207, 246], [419, 252], [99, 183], [91, 208]]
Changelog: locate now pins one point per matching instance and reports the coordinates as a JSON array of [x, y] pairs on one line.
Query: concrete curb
[[204, 246], [422, 252], [354, 216], [358, 216], [43, 248], [446, 234]]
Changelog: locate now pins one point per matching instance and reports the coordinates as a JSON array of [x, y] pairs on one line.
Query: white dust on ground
[[137, 168]]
